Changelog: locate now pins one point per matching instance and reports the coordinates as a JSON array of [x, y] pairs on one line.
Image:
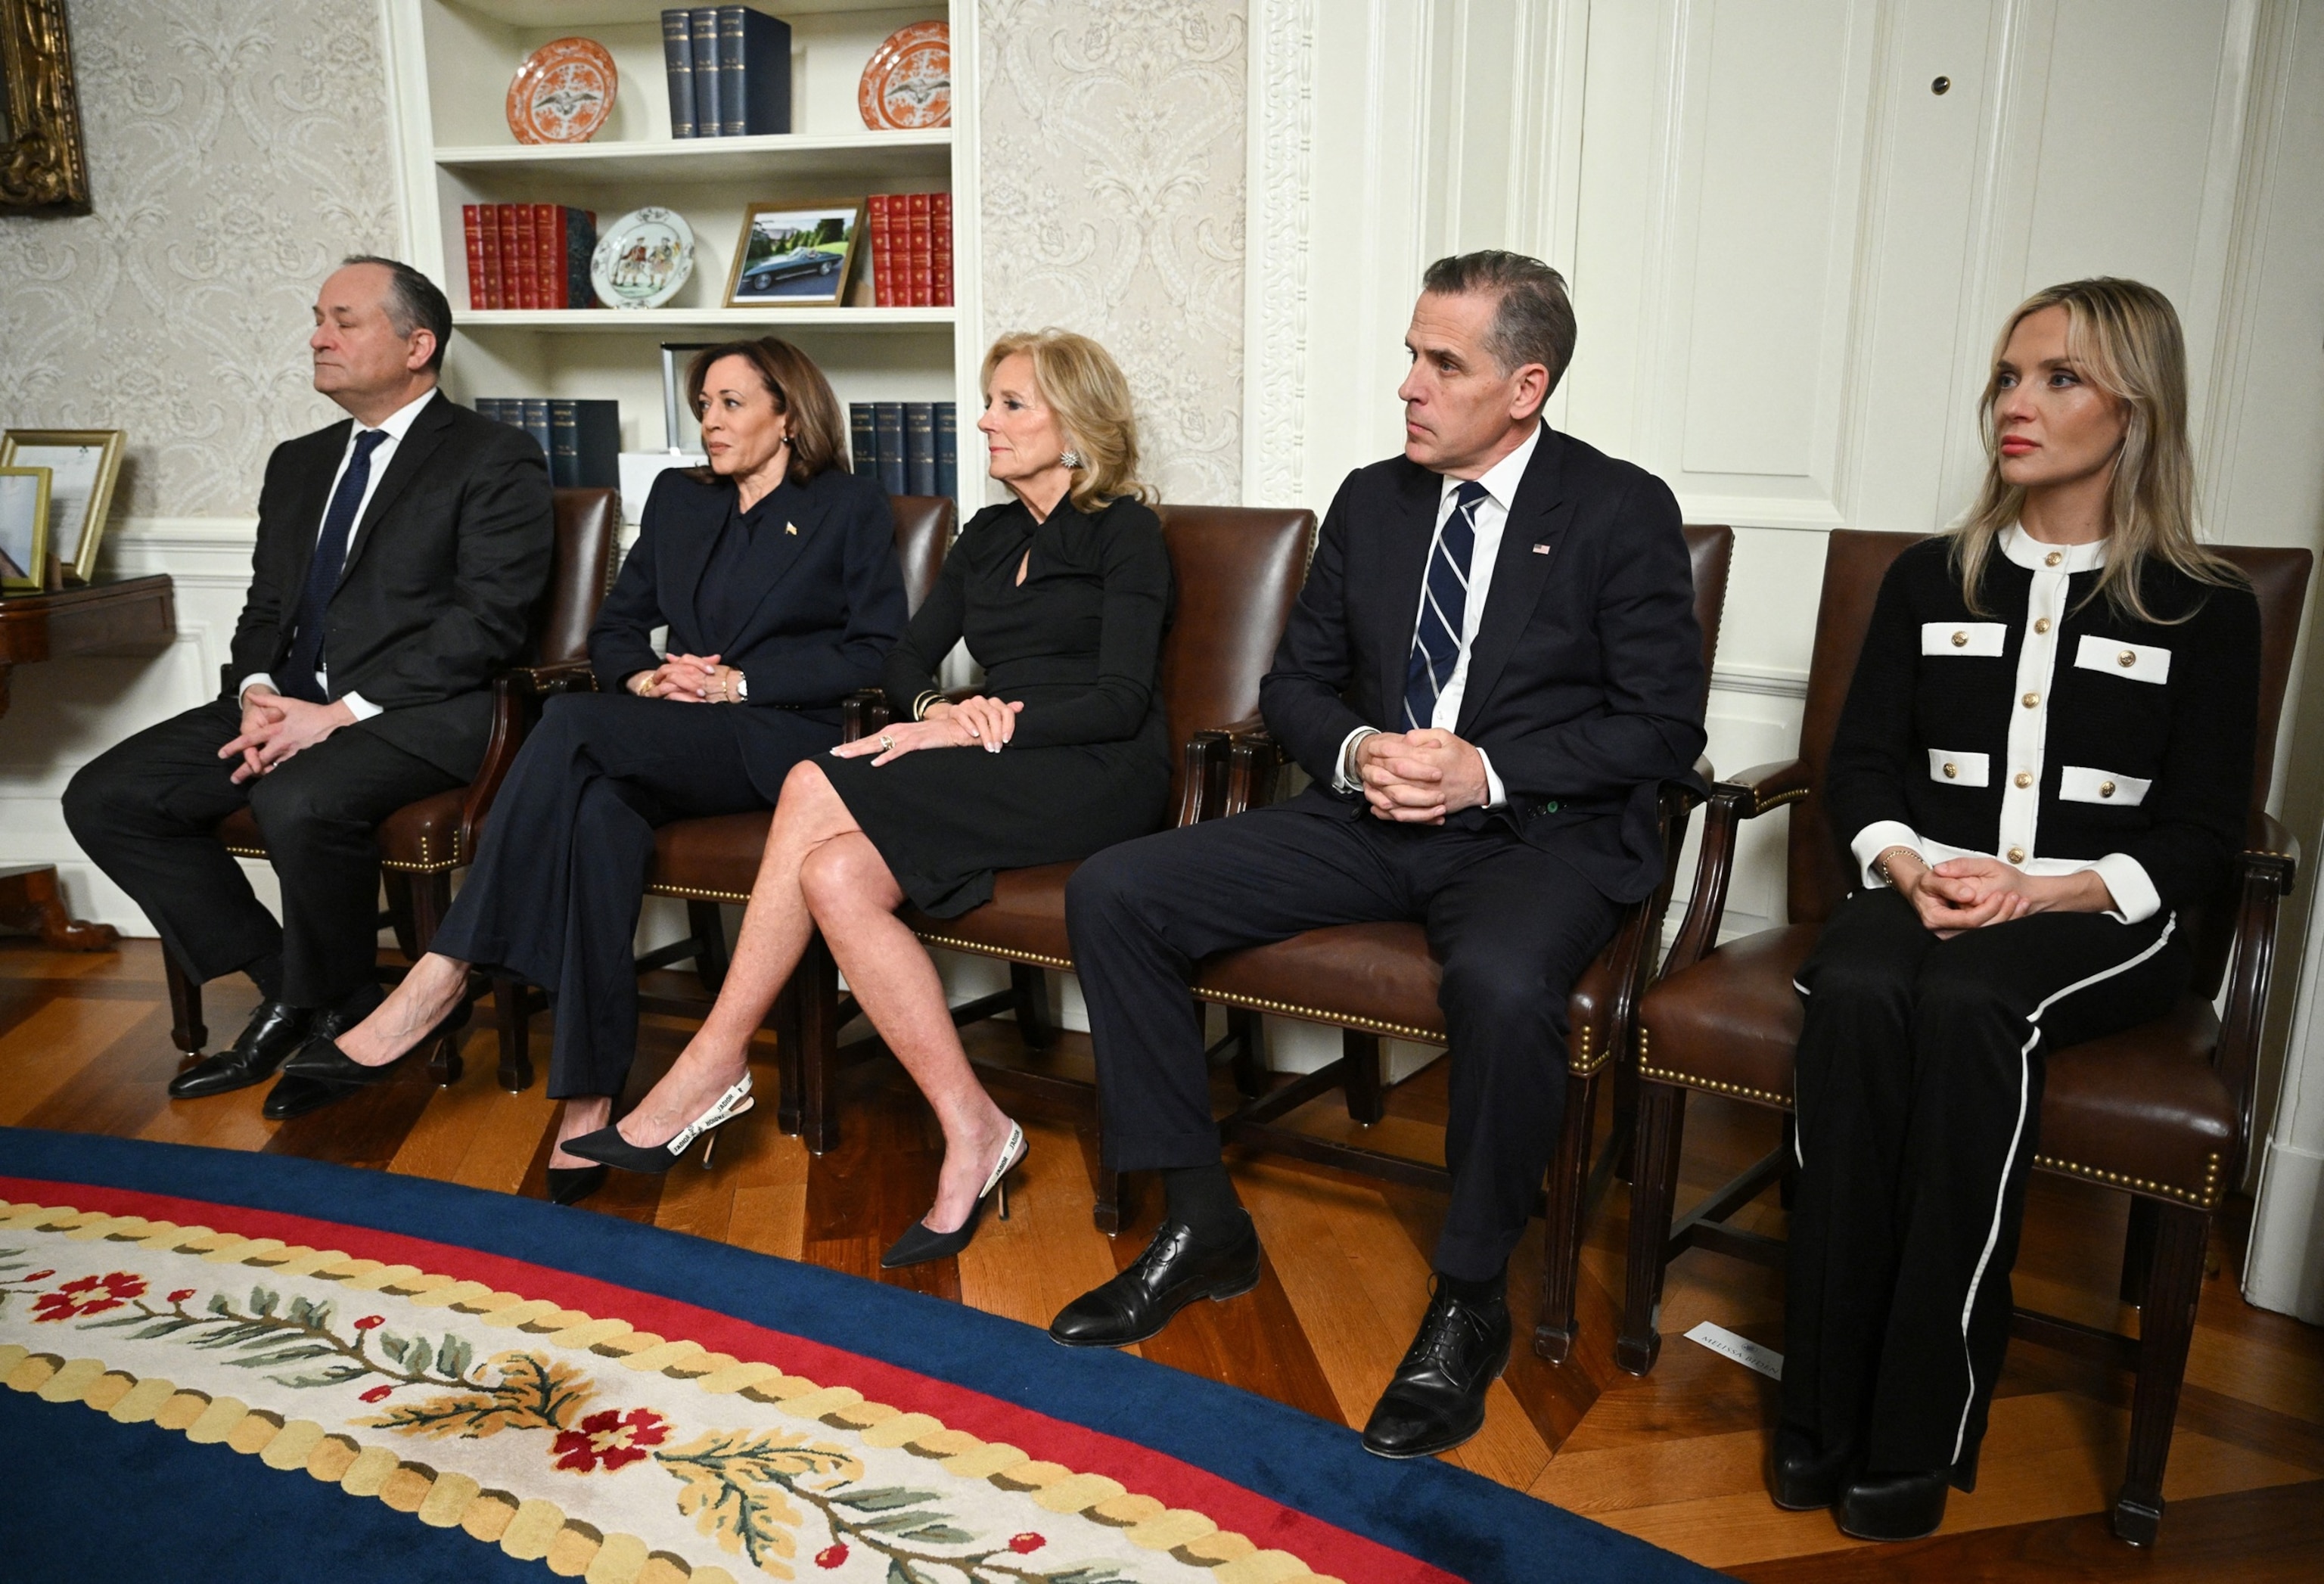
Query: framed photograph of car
[[795, 254]]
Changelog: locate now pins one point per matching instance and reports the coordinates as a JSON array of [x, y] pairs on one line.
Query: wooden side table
[[135, 615]]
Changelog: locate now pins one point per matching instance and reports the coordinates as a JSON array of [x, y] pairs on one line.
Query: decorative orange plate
[[562, 93], [907, 84]]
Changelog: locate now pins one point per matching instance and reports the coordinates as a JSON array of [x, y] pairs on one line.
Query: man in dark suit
[[400, 556], [1492, 671]]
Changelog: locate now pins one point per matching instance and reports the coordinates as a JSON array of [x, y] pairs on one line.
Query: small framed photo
[[24, 530], [83, 465], [795, 254]]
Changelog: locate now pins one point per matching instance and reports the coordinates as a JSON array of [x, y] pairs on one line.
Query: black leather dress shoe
[[320, 1073], [1171, 1273], [1437, 1399], [1801, 1476], [272, 1033], [1892, 1506]]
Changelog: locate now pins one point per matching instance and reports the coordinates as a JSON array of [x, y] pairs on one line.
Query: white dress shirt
[[2014, 843], [1490, 517], [395, 426]]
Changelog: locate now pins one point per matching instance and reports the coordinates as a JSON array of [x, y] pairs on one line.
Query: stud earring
[[1069, 459]]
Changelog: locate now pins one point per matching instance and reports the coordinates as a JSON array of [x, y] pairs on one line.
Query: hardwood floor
[[1674, 1459]]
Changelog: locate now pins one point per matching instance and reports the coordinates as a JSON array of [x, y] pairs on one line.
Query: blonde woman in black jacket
[[2044, 759]]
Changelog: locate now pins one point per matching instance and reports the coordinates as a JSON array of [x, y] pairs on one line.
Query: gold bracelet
[[922, 705]]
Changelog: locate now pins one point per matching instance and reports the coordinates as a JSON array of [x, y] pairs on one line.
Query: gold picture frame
[[43, 166], [785, 276], [84, 465], [24, 531]]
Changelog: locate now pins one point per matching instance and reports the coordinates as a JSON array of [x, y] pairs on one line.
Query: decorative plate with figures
[[907, 84], [642, 259], [562, 93]]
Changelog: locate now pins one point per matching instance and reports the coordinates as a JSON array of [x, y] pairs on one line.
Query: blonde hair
[[2123, 338], [1083, 387]]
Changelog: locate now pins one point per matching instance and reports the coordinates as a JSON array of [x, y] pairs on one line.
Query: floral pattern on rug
[[663, 1448]]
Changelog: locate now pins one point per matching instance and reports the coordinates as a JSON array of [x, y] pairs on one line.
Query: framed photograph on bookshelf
[[795, 254], [23, 528], [82, 465]]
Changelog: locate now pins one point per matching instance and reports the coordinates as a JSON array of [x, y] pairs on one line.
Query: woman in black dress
[[774, 569], [2045, 758], [1062, 595]]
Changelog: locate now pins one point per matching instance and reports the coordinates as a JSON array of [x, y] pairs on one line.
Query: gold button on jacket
[[2017, 855], [2106, 789]]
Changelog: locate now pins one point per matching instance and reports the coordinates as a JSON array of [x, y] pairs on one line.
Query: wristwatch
[[742, 689]]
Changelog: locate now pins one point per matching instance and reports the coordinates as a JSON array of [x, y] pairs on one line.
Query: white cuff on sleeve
[[1495, 794], [256, 680], [364, 708], [1876, 838], [1340, 780], [2135, 899]]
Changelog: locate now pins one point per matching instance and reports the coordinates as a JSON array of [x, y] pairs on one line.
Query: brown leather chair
[[1239, 569], [2161, 1112], [422, 842], [706, 861], [1376, 980]]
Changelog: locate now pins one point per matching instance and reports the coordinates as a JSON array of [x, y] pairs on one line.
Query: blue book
[[947, 448], [863, 438], [703, 24], [891, 426], [920, 447], [754, 72], [535, 421], [586, 453], [677, 64]]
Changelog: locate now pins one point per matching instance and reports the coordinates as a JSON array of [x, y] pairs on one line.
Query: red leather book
[[940, 250], [504, 221], [472, 232], [883, 248], [548, 254], [527, 260], [922, 290]]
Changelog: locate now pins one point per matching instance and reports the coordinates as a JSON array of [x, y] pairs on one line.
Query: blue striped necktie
[[298, 676], [1436, 641]]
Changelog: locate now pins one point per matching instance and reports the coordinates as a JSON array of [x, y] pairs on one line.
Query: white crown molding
[[1281, 84]]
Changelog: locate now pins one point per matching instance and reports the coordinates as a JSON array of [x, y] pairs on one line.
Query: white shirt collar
[[399, 423], [1502, 479], [2033, 555]]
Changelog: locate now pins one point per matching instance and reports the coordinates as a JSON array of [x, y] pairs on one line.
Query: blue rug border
[[1440, 1514]]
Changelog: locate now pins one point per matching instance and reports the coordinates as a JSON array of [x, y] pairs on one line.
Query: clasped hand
[[689, 679], [1417, 778], [1970, 893], [980, 722], [273, 728]]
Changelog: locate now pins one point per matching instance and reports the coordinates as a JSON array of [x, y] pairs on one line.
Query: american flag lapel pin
[[1541, 547]]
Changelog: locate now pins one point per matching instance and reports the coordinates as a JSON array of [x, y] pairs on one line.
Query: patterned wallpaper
[[1113, 147], [237, 149]]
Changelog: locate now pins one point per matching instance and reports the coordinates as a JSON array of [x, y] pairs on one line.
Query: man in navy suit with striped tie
[[1492, 671]]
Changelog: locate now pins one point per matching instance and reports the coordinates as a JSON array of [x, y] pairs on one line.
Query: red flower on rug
[[181, 1294], [1027, 1543], [611, 1439], [831, 1556], [88, 1295]]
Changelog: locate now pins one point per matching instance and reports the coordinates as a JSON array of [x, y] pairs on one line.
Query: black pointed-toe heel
[[919, 1245], [607, 1144], [571, 1185]]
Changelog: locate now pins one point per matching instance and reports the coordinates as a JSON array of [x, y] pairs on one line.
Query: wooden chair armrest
[[547, 681], [2271, 849], [1733, 800], [863, 712]]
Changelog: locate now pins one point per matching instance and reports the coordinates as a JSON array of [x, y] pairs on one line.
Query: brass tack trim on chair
[[1582, 1067], [1038, 959], [1313, 1015], [698, 894], [1743, 1091], [1760, 806], [2208, 1199], [257, 852]]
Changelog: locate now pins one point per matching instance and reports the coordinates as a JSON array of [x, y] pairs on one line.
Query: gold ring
[[887, 744]]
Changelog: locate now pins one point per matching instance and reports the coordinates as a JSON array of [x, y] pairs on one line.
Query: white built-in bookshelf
[[450, 66]]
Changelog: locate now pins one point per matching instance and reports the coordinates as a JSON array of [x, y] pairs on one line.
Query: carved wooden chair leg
[[1653, 1186], [1249, 1031], [707, 925], [1366, 1086], [1030, 986], [2138, 1251], [1117, 1202], [187, 1031], [817, 978], [2166, 1325], [1561, 1234], [513, 1011], [784, 1018]]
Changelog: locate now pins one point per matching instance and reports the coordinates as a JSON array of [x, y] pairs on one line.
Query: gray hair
[[413, 302], [1534, 320]]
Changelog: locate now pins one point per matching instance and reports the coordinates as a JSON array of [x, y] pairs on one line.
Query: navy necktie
[[298, 677], [1436, 641]]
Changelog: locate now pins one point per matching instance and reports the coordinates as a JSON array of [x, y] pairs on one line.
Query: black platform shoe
[[1892, 1506], [1171, 1273], [1801, 1477], [607, 1144], [318, 1073], [919, 1245], [272, 1033], [1436, 1400]]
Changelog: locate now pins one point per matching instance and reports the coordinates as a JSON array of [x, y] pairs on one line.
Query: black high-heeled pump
[[919, 1245], [607, 1144], [571, 1185]]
